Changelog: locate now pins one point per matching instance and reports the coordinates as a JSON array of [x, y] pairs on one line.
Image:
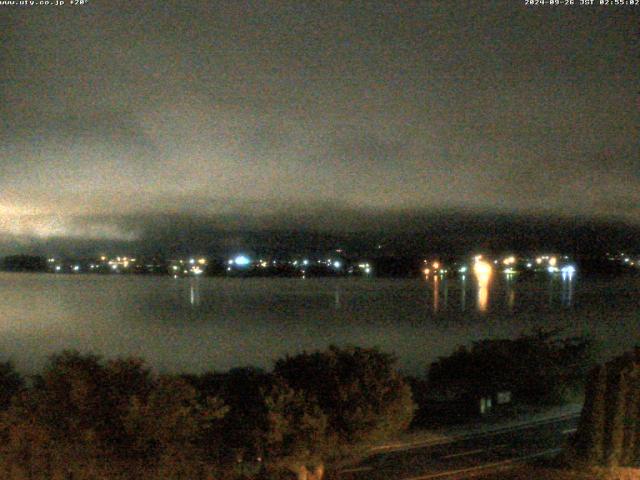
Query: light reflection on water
[[463, 293], [436, 293], [194, 291], [483, 294], [207, 323], [487, 289], [568, 282]]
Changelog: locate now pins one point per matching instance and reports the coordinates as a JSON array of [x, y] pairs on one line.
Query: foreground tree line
[[541, 368], [86, 418]]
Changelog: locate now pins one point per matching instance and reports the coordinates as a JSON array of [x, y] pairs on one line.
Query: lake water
[[197, 324]]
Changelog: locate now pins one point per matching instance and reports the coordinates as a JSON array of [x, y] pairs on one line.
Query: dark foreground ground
[[506, 451], [468, 455], [529, 472]]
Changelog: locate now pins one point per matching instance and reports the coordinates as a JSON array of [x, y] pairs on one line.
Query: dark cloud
[[315, 115]]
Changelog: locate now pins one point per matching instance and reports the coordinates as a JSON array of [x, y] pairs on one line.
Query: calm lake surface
[[197, 324]]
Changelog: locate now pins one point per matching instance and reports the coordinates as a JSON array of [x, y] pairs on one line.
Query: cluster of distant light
[[510, 265], [191, 266], [480, 265], [124, 264], [243, 262], [115, 264], [196, 266], [624, 259]]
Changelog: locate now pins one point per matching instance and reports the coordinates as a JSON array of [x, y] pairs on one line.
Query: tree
[[359, 390], [537, 368], [10, 384], [631, 446], [296, 436], [24, 263], [608, 429], [589, 444], [68, 398], [242, 430], [617, 393], [170, 420], [84, 416]]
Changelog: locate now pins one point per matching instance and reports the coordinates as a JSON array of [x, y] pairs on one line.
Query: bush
[[170, 420], [296, 434], [243, 429], [83, 414], [10, 384], [359, 391], [538, 368]]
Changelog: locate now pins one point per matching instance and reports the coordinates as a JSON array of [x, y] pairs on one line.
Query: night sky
[[138, 121]]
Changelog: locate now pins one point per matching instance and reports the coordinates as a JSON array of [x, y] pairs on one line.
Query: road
[[467, 456]]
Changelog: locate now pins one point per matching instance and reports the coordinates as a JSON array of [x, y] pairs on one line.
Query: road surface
[[466, 456]]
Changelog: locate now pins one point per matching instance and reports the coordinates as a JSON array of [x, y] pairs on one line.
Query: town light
[[242, 260], [482, 269]]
